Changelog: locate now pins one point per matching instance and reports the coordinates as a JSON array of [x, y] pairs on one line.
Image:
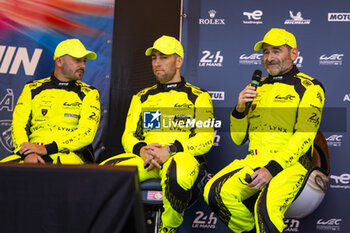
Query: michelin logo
[[296, 19]]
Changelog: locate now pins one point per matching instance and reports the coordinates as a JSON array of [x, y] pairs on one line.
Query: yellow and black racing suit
[[62, 116], [280, 126], [177, 113]]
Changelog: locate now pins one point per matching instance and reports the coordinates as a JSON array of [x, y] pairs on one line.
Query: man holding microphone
[[280, 118]]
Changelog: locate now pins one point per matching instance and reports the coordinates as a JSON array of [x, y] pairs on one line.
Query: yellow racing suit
[[62, 116], [177, 113], [280, 126]]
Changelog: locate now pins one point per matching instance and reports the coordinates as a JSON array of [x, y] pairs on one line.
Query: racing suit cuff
[[179, 147], [237, 115], [51, 148], [274, 167], [137, 148], [23, 156]]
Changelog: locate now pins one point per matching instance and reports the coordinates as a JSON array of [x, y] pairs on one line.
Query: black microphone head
[[257, 75]]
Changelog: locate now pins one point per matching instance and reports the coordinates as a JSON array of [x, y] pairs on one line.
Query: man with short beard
[[252, 194], [161, 137], [55, 118]]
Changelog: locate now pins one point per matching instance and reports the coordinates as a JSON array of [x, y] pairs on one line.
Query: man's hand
[[260, 178], [150, 160], [29, 148], [33, 158], [245, 96], [154, 155]]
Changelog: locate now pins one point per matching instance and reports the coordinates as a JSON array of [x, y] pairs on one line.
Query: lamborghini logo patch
[[44, 112]]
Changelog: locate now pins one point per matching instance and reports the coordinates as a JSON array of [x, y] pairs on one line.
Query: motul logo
[[11, 59]]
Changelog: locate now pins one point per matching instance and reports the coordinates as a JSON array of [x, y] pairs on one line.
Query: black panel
[[137, 25]]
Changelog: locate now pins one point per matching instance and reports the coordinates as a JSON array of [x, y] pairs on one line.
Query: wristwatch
[[172, 149]]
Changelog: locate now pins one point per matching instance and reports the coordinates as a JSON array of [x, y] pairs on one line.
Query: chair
[[152, 196], [315, 183]]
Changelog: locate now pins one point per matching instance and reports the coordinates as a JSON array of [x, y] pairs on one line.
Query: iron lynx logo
[[204, 221], [340, 182], [296, 19], [253, 59], [334, 140], [212, 21], [335, 59], [11, 60], [292, 225], [329, 225], [5, 136], [7, 101], [339, 17], [253, 17], [211, 59], [217, 95]]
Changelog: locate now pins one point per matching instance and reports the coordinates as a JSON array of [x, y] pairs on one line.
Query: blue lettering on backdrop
[[27, 45], [218, 38]]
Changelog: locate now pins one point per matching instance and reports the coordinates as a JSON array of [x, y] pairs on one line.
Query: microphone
[[255, 83]]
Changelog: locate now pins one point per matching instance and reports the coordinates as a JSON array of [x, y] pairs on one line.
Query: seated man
[[168, 127], [55, 118], [281, 127]]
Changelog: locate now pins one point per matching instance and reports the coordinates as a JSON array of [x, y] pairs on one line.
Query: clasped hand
[[33, 152], [154, 155], [260, 178]]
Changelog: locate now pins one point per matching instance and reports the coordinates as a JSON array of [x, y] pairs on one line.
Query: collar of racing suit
[[59, 83], [171, 86], [284, 77]]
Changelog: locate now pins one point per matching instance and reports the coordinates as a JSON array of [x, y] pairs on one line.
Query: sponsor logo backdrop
[[218, 38], [27, 43]]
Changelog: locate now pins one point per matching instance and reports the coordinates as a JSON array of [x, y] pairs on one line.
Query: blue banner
[[30, 32], [218, 38]]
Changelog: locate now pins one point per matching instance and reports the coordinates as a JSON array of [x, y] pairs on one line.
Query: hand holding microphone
[[246, 96], [255, 83]]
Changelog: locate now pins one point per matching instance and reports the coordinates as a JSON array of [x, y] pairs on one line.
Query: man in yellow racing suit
[[56, 117], [169, 126], [281, 126]]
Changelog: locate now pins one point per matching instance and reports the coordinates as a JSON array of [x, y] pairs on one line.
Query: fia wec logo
[[329, 225]]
